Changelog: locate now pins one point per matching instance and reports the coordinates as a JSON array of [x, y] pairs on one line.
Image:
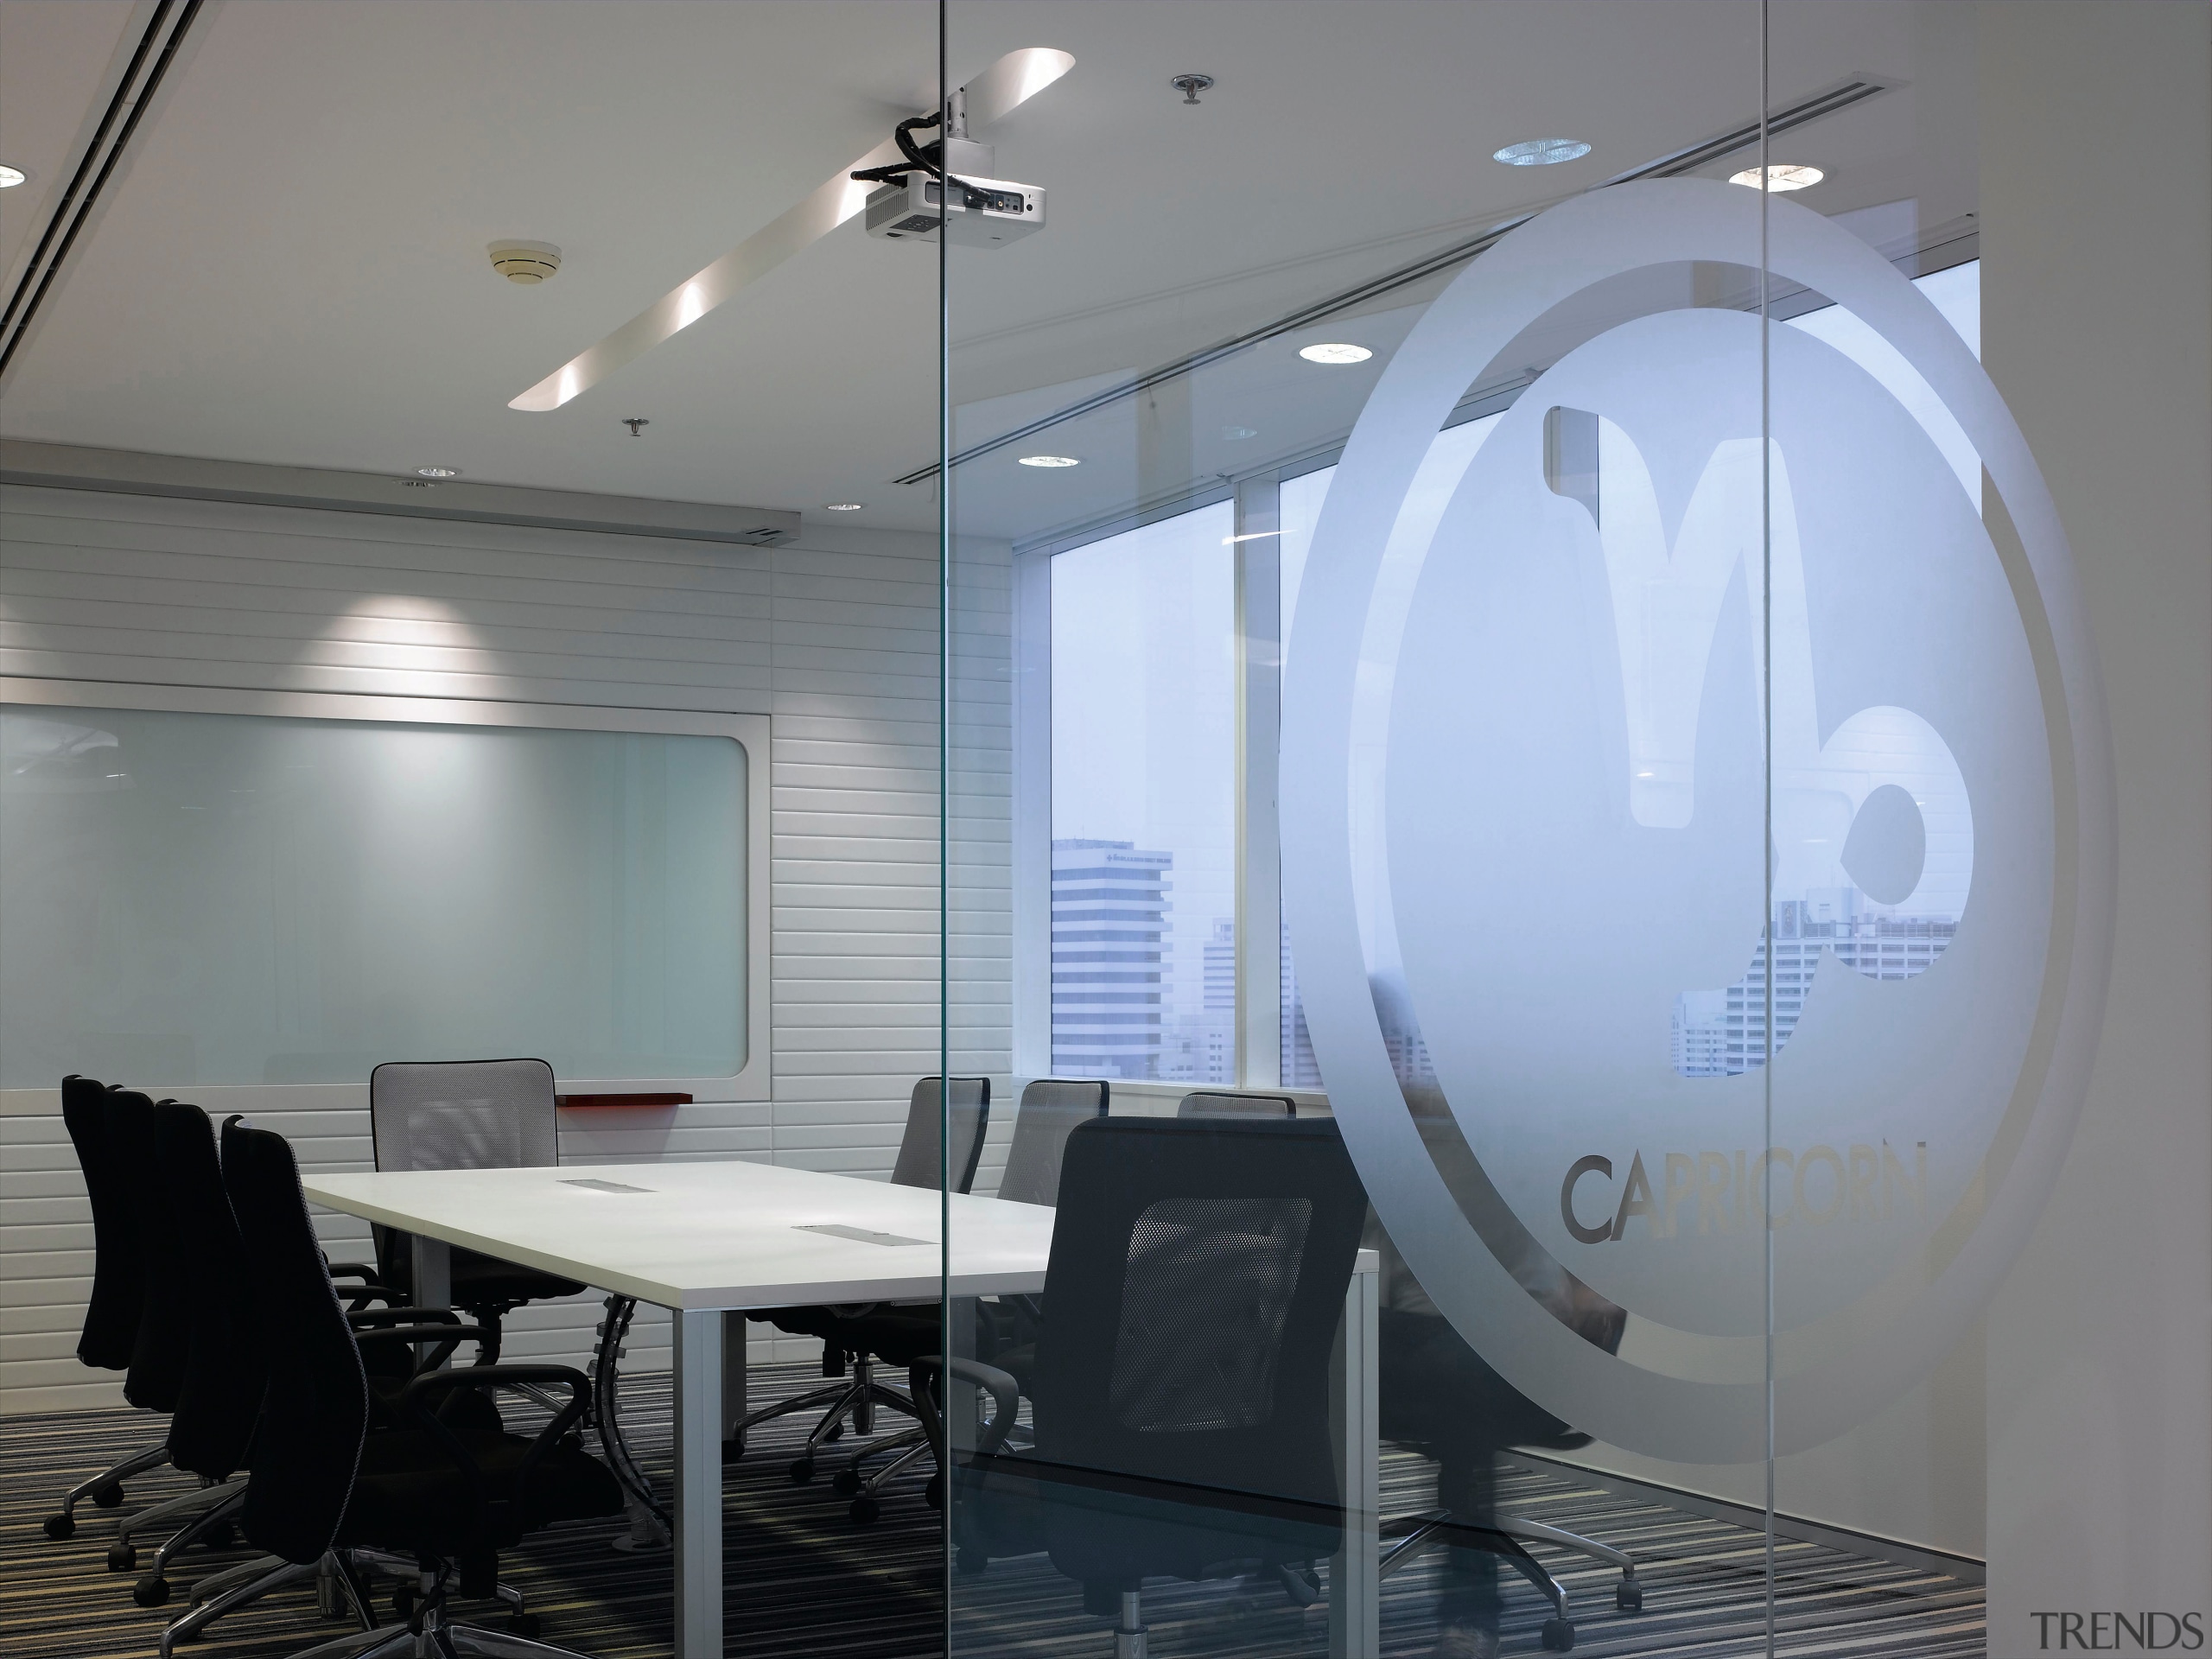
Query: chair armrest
[[439, 1325], [416, 1403], [371, 1288], [400, 1313], [1004, 1392]]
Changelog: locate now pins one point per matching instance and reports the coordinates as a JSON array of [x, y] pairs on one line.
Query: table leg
[[732, 1379], [1355, 1592], [698, 1483], [432, 1261]]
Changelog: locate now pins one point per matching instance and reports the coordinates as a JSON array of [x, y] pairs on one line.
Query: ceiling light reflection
[[1542, 152], [1781, 177]]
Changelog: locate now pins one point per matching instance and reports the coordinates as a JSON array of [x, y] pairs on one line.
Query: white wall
[[834, 637], [2097, 327]]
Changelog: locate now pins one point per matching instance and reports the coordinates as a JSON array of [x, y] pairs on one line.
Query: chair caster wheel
[[402, 1604], [121, 1558], [525, 1625], [150, 1592], [847, 1484], [1627, 1596], [933, 1494], [221, 1535], [864, 1512], [733, 1451], [971, 1562], [108, 1494], [1557, 1636], [836, 1431], [802, 1471], [60, 1526]]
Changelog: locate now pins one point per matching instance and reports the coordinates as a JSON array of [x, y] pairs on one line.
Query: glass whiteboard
[[217, 899]]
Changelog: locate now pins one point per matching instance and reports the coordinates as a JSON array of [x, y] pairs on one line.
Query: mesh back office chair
[[1181, 1387], [1050, 1109], [968, 1115], [322, 1487], [1225, 1103], [465, 1115]]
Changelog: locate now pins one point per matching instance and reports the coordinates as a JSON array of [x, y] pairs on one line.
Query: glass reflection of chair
[[1442, 1399], [1197, 1277], [860, 1335]]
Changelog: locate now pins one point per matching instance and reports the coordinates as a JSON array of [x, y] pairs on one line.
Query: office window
[[222, 899], [1144, 811], [1144, 949]]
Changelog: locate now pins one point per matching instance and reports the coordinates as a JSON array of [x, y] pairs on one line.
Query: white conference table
[[710, 1241]]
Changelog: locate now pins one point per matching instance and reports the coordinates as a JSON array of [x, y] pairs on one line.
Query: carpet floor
[[801, 1579]]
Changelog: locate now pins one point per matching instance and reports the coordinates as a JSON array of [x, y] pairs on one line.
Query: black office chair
[[322, 1487], [1180, 1382], [1050, 1110], [1231, 1103], [922, 1160], [465, 1115], [135, 1210], [163, 1354], [110, 1334], [224, 1373]]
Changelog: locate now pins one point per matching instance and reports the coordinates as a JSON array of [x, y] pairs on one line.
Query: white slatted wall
[[835, 638]]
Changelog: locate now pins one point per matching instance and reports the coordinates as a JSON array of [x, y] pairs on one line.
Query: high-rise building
[[1299, 1069], [1111, 972], [1723, 1033], [1213, 1051]]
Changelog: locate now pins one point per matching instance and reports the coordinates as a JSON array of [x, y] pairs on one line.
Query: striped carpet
[[802, 1581]]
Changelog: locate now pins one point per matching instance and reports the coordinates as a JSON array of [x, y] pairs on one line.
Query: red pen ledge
[[593, 1102]]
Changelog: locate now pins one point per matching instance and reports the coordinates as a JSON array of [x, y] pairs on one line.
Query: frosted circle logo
[[1697, 826]]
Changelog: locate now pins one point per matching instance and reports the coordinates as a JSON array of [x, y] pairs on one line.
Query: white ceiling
[[292, 268], [59, 62]]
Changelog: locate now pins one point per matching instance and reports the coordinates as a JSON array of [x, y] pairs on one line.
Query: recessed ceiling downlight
[[437, 471], [11, 177], [1335, 352], [1782, 176], [1542, 152], [842, 507], [1050, 461]]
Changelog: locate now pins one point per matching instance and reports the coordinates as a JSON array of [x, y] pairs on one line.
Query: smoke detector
[[524, 262]]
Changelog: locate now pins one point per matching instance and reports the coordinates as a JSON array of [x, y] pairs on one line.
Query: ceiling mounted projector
[[984, 212], [987, 212]]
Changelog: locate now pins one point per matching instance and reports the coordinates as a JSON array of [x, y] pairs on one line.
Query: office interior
[[1101, 827]]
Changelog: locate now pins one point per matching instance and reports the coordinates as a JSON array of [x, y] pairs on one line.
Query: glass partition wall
[[1495, 633]]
